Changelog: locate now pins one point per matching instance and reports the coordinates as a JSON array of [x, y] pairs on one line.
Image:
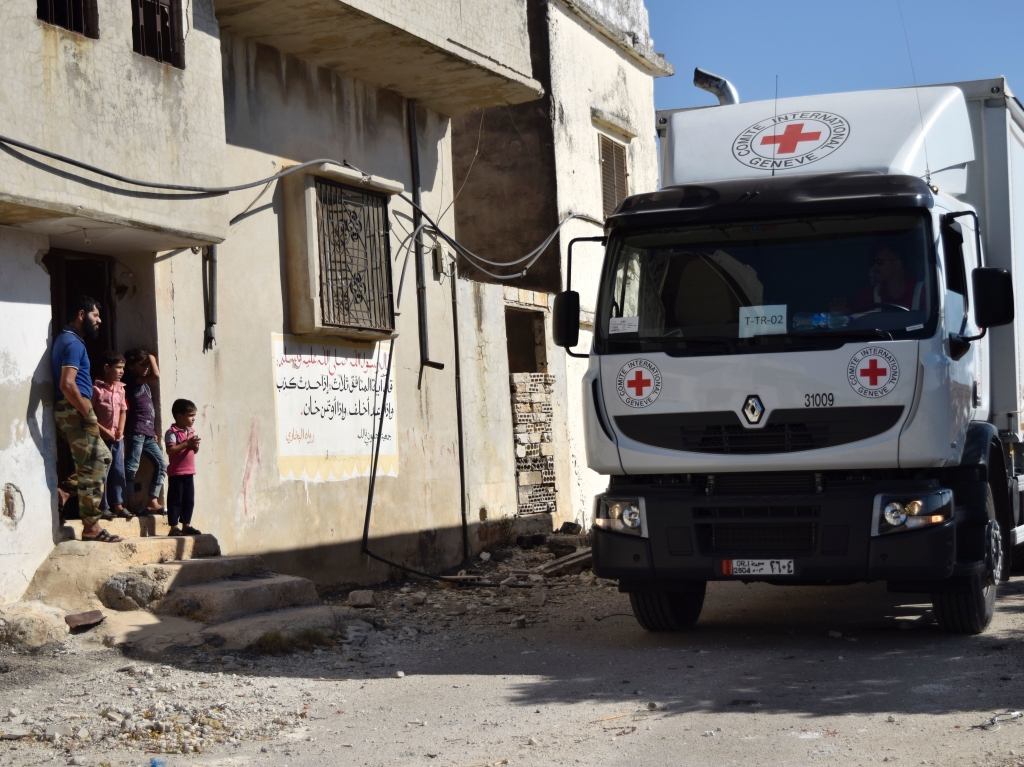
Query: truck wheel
[[970, 611], [668, 610]]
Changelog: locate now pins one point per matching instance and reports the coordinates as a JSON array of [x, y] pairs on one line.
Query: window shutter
[[614, 188]]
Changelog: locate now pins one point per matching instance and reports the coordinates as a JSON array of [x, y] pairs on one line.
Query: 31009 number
[[819, 400]]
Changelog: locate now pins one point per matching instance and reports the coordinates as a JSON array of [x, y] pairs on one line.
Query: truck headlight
[[620, 515], [899, 513]]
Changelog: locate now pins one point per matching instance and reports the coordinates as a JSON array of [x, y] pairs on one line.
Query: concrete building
[[279, 308], [579, 150]]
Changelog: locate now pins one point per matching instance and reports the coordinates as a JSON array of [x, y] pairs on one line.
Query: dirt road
[[773, 676]]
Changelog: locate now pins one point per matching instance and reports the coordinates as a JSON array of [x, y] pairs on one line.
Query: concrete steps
[[224, 600], [241, 633], [172, 579], [140, 527], [73, 574], [189, 572]]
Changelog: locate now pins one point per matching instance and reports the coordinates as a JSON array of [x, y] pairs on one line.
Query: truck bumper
[[827, 535]]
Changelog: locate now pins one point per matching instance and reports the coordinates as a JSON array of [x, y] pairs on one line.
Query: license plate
[[757, 567]]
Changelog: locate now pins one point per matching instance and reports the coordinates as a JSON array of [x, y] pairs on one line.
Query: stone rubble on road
[[197, 704]]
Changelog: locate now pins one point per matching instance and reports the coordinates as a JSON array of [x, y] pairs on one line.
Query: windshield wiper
[[857, 333]]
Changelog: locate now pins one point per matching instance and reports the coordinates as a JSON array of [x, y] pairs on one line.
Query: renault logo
[[753, 409]]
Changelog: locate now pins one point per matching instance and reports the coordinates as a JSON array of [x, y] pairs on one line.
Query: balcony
[[452, 57]]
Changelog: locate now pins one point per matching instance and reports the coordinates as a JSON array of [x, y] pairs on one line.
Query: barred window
[[76, 15], [157, 31], [613, 174], [355, 257]]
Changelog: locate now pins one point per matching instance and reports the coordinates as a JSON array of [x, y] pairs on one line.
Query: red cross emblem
[[638, 383], [873, 372], [791, 138]]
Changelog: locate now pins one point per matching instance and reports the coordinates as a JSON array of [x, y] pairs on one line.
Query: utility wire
[[476, 260]]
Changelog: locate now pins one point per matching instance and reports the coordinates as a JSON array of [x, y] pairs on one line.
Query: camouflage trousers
[[91, 456]]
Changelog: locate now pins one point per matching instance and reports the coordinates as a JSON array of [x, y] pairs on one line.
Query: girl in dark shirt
[[140, 426]]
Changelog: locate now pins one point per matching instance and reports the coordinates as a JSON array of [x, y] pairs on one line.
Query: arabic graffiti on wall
[[328, 396]]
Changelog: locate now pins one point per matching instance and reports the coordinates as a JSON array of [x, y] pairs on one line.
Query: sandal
[[103, 537], [124, 514], [189, 530], [174, 532]]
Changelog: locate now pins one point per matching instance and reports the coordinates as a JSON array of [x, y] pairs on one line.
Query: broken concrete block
[[485, 556], [31, 624], [77, 620], [364, 598], [539, 598], [13, 733], [130, 591], [570, 528], [519, 622], [55, 731], [419, 598]]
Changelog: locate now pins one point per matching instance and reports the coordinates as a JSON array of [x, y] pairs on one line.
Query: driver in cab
[[890, 285]]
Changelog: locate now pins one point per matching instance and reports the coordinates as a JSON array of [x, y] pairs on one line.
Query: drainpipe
[[458, 411], [417, 219], [210, 275]]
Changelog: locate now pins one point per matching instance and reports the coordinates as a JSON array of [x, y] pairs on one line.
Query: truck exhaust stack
[[724, 90]]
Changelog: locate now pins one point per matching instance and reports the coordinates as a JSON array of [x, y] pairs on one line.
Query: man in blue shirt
[[76, 420]]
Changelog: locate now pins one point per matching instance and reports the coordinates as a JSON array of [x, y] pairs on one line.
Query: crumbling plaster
[[27, 436], [97, 101]]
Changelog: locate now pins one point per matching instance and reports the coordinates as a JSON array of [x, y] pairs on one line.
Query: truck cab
[[792, 375]]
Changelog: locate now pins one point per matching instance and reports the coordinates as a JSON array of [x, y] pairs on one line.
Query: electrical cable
[[529, 259], [374, 462]]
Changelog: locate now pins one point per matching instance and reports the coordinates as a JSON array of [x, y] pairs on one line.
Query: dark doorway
[[72, 274], [524, 336]]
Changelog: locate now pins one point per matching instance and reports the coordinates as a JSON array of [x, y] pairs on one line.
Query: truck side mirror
[[565, 319], [993, 297]]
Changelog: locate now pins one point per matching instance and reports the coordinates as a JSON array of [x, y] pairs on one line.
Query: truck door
[[959, 258]]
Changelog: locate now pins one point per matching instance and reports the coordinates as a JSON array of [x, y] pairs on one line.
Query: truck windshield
[[784, 284]]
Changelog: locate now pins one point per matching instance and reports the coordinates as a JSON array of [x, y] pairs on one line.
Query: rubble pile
[[208, 698]]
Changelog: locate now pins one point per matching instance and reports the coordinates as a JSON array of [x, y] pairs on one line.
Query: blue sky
[[830, 46]]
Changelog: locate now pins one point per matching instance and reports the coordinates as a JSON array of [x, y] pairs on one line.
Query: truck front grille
[[761, 483], [742, 539], [756, 512], [785, 431]]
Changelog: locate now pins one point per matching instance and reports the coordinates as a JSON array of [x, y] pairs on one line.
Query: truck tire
[[668, 610], [971, 611]]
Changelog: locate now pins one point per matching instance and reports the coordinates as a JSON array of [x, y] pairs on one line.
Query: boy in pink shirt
[[108, 400], [182, 446]]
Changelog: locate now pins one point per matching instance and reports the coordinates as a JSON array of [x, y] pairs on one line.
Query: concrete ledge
[[224, 600]]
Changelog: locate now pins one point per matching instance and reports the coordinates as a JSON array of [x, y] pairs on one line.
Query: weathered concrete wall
[[610, 83], [490, 468], [280, 111], [99, 102], [504, 162], [27, 437]]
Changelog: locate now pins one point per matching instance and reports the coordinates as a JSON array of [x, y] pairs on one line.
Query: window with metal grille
[[355, 257], [613, 174], [76, 15], [157, 31]]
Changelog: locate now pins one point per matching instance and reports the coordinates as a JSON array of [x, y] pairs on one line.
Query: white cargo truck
[[806, 367]]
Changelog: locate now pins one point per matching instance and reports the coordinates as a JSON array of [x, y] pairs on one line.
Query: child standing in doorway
[[182, 446], [108, 400], [140, 427]]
